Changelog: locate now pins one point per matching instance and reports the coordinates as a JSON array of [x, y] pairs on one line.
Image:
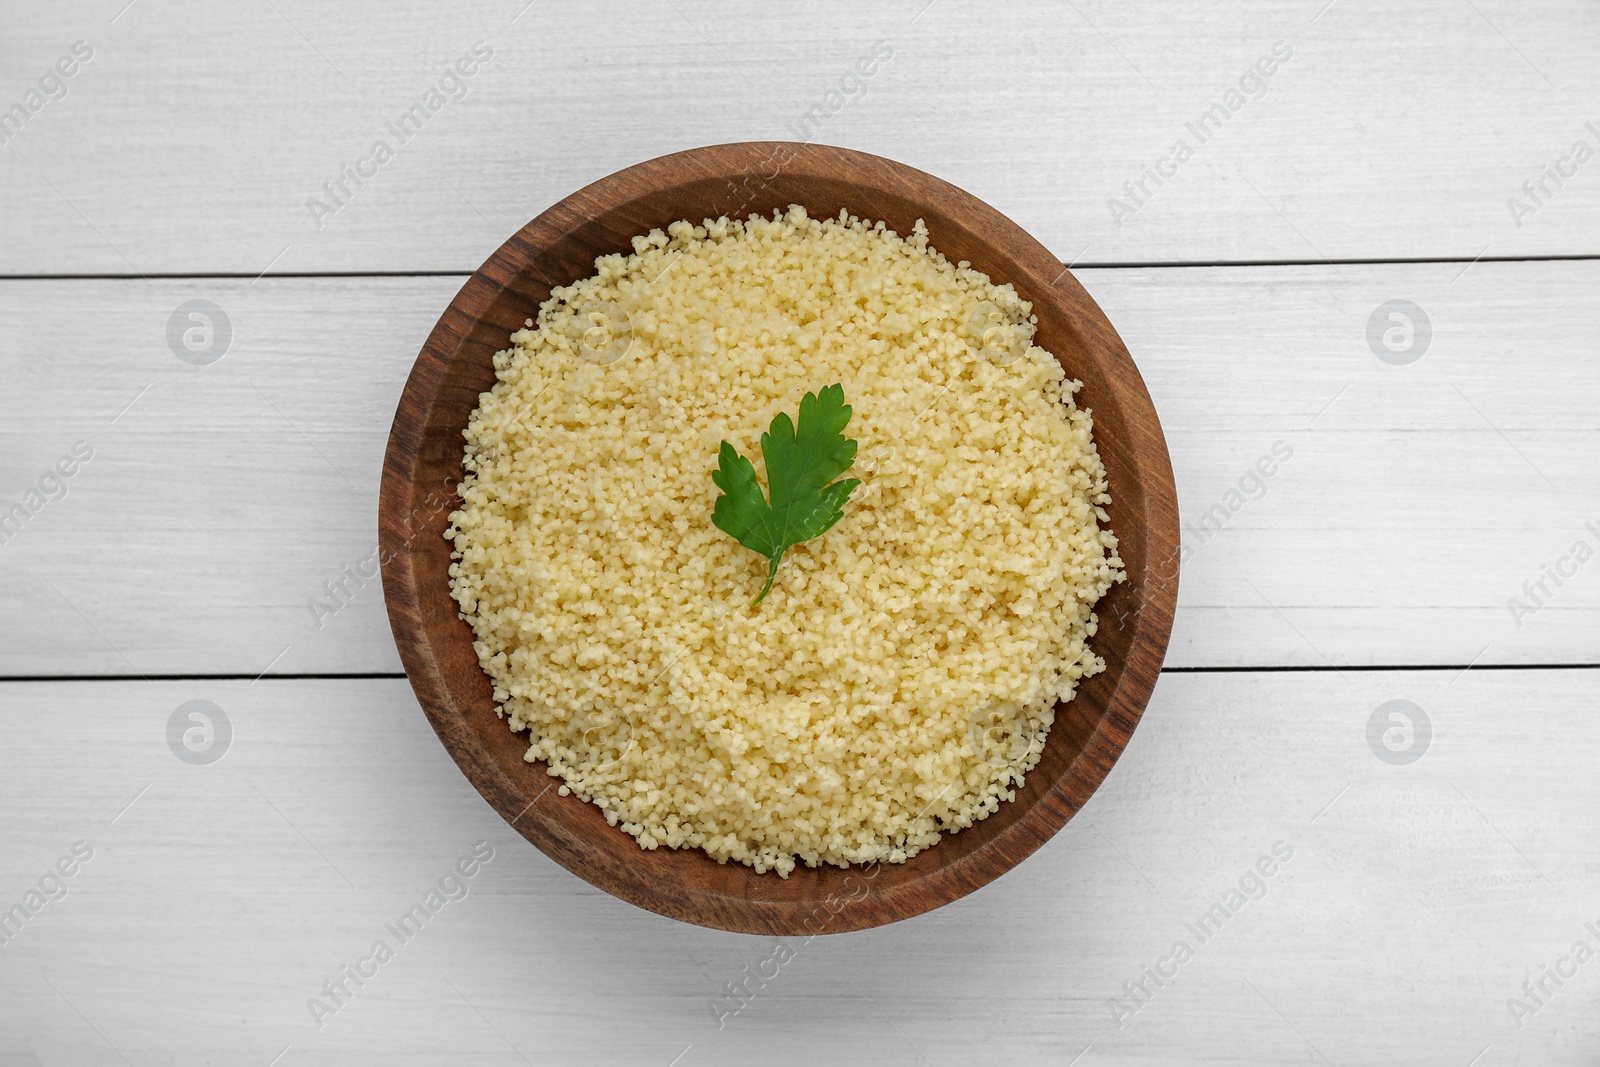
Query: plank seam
[[396, 676], [1153, 265]]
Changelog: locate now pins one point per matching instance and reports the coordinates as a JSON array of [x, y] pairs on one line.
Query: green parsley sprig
[[801, 463]]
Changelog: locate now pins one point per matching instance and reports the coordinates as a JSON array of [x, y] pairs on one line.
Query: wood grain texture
[[227, 498], [1416, 902], [436, 646], [195, 137]]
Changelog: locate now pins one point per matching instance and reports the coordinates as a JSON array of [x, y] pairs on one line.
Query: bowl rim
[[1034, 267]]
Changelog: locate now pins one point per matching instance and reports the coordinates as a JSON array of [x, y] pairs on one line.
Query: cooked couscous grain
[[899, 679]]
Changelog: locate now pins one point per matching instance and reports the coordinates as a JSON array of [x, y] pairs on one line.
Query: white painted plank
[[1416, 901], [1418, 499], [194, 138]]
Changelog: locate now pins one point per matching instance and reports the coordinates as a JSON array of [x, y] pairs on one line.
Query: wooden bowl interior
[[1090, 731]]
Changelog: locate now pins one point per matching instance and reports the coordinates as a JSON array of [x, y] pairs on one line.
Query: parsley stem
[[772, 572]]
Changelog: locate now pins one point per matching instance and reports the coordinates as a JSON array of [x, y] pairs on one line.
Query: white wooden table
[[1423, 900]]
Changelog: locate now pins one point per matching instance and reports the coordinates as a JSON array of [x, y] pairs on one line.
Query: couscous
[[898, 681]]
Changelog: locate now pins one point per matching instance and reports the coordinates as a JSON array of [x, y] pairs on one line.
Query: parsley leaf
[[800, 464]]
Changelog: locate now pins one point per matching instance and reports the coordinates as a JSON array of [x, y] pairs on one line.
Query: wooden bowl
[[423, 465]]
